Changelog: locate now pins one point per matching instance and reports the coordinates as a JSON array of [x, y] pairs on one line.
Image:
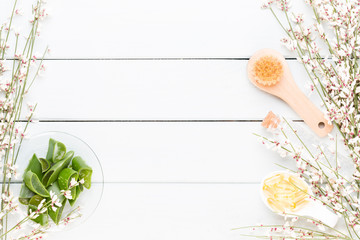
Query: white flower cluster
[[320, 166], [40, 209], [17, 74], [336, 76], [283, 5], [15, 84], [55, 202]]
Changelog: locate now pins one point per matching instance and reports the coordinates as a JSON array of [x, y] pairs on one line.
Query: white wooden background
[[159, 89]]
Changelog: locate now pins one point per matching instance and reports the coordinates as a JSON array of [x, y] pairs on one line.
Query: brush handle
[[312, 116], [287, 90]]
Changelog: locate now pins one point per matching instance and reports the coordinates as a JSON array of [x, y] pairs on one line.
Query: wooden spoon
[[287, 90]]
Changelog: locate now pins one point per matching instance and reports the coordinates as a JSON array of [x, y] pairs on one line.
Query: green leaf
[[56, 189], [34, 166], [65, 177], [25, 194], [76, 195], [64, 181], [81, 187], [56, 215], [56, 151], [33, 182], [50, 152], [34, 202], [84, 170], [52, 174], [45, 164]]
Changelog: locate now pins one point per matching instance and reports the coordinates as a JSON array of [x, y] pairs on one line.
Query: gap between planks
[[171, 182], [150, 59], [149, 121]]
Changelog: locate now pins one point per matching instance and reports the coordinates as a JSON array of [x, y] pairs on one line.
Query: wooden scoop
[[279, 82]]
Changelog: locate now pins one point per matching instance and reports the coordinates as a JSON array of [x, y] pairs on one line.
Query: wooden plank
[[156, 90], [158, 28], [176, 152], [174, 211]]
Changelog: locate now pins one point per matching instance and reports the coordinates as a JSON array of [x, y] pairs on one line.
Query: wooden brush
[[268, 70]]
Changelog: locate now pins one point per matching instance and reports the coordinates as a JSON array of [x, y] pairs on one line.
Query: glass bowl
[[89, 199]]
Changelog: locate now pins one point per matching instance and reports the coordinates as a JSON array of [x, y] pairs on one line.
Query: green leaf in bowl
[[52, 174], [34, 202], [75, 196], [65, 177], [56, 215], [45, 164], [25, 194], [56, 151], [34, 166], [33, 182], [85, 172]]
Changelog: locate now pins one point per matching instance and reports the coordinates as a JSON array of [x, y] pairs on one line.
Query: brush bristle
[[268, 70]]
